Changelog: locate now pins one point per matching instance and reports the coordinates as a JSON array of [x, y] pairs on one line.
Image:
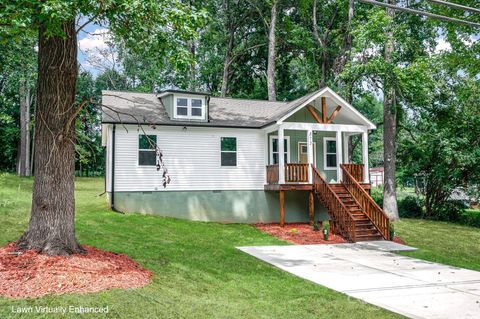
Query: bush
[[411, 207], [449, 211], [470, 218], [377, 195]]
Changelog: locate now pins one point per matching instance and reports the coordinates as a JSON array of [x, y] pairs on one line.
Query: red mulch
[[303, 234], [31, 274], [299, 233]]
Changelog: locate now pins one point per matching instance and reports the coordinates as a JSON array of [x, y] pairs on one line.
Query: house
[[226, 163], [376, 176]]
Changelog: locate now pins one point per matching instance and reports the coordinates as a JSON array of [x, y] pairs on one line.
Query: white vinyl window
[[228, 151], [147, 152], [330, 153], [274, 149], [189, 107]]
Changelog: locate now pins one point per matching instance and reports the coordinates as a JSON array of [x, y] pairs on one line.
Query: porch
[[307, 149]]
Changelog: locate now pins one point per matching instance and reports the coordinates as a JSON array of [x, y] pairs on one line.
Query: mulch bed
[[299, 233], [31, 274], [303, 234]]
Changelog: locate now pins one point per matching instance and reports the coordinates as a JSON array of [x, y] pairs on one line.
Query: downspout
[[112, 177]]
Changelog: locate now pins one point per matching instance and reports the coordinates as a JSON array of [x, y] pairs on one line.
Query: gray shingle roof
[[144, 108]]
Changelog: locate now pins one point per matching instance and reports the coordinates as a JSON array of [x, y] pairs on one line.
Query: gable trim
[[338, 99]]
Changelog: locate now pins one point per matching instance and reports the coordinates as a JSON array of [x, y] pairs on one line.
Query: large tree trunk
[[389, 132], [51, 229], [23, 167], [272, 94], [226, 64]]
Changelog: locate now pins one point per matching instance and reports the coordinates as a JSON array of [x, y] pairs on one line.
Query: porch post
[[346, 137], [366, 173], [310, 153], [339, 156], [281, 156]]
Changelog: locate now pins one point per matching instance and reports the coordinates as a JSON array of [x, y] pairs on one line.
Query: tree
[[442, 145], [272, 43], [17, 86], [389, 126], [156, 25]]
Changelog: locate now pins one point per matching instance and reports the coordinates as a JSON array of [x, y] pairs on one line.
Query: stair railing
[[369, 206], [345, 224]]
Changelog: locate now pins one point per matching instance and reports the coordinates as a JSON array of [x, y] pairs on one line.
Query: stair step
[[372, 232], [363, 223], [368, 237], [365, 227]]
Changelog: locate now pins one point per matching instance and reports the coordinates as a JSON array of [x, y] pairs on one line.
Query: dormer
[[185, 105]]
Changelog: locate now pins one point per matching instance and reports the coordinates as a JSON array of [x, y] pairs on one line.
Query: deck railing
[[344, 222], [366, 202], [294, 173], [272, 174], [356, 170]]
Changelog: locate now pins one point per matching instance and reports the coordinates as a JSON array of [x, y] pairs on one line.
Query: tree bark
[[272, 94], [23, 167], [51, 229], [226, 64], [389, 131]]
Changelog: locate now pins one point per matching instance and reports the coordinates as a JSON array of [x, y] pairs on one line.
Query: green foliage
[[411, 207], [17, 65], [377, 195], [470, 217], [442, 145]]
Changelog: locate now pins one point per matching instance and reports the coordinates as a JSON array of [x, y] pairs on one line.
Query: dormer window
[[189, 107]]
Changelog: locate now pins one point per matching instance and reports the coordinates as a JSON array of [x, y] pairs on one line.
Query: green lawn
[[442, 242], [198, 273]]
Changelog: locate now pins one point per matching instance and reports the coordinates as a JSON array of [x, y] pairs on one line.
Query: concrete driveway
[[367, 271]]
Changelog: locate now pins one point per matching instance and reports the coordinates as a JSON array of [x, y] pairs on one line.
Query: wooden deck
[[353, 212], [302, 187]]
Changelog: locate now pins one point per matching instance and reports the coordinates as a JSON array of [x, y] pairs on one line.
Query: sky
[[93, 38], [90, 39]]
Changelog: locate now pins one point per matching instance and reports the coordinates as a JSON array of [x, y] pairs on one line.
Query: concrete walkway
[[367, 271]]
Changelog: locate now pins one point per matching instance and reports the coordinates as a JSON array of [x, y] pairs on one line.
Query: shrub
[[377, 195], [470, 218], [411, 207], [448, 211]]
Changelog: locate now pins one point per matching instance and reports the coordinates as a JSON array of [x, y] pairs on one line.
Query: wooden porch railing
[[296, 173], [356, 170], [344, 222], [272, 174], [366, 202]]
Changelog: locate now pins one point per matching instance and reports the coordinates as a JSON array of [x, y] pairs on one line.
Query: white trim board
[[324, 127]]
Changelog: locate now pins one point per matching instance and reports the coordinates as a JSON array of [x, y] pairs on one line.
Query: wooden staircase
[[353, 211], [364, 228]]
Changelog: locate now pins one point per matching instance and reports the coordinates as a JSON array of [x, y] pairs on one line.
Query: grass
[[442, 242], [198, 273]]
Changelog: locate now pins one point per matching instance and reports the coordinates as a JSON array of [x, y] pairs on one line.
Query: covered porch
[[312, 145], [308, 150]]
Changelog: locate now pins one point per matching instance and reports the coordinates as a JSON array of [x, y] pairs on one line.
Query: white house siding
[[192, 156]]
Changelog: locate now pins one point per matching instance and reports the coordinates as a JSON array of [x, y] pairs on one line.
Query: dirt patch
[[30, 274], [303, 234], [299, 233]]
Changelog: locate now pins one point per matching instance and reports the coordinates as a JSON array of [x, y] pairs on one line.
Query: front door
[[302, 152]]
